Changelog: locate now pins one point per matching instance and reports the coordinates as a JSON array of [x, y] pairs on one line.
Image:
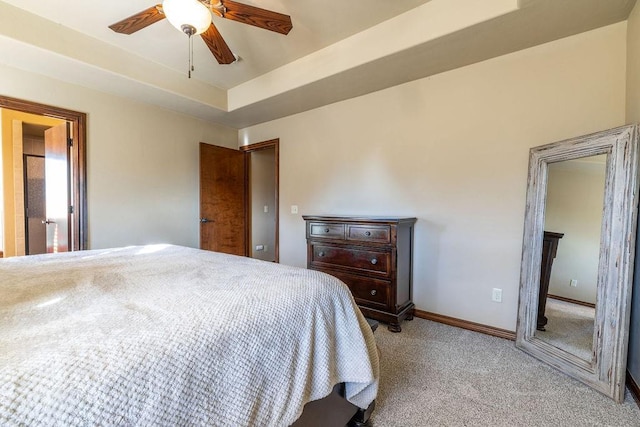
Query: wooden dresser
[[373, 256]]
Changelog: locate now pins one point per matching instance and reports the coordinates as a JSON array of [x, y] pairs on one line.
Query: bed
[[168, 335]]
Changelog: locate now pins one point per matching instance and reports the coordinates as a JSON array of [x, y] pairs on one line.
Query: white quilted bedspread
[[167, 335]]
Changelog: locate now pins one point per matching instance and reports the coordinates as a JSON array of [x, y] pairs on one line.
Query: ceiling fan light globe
[[191, 13]]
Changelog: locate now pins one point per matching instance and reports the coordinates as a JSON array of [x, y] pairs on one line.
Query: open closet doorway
[[262, 200], [42, 179], [239, 200]]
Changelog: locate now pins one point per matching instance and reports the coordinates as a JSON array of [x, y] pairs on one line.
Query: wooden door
[[222, 200], [56, 170]]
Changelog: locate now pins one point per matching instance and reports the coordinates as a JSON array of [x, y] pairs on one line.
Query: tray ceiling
[[336, 50]]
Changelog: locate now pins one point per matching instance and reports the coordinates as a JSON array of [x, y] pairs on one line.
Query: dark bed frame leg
[[361, 418]]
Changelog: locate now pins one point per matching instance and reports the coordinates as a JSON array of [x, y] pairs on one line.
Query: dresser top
[[369, 219]]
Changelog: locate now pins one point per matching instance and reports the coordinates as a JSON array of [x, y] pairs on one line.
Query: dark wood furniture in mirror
[[549, 251], [373, 256]]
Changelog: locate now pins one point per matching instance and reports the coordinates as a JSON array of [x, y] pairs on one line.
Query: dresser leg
[[394, 327], [409, 316]]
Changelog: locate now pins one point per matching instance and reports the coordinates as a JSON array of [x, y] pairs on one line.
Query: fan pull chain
[[189, 30], [191, 68], [192, 56]]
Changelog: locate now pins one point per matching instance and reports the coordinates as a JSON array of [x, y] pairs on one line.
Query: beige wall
[[633, 116], [633, 66], [142, 161], [575, 197], [452, 150]]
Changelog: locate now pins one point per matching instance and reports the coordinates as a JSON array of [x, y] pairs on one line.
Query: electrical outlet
[[294, 209], [573, 283], [259, 247], [496, 295], [266, 208]]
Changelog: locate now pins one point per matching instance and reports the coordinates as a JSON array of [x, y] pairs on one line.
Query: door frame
[[77, 169], [248, 149]]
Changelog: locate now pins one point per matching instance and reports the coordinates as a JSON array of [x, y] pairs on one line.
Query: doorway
[[239, 200], [262, 200], [36, 135]]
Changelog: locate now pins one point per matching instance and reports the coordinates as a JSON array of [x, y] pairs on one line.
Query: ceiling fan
[[189, 16]]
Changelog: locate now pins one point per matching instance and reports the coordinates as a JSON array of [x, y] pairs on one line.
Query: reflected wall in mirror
[[572, 224], [577, 257]]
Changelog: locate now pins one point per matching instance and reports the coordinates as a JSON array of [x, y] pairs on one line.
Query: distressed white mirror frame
[[605, 371]]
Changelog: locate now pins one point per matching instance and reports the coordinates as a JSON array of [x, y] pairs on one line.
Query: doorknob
[[48, 221], [205, 220]]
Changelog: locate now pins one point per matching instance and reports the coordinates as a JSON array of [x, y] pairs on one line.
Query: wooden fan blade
[[217, 45], [139, 21], [257, 17]]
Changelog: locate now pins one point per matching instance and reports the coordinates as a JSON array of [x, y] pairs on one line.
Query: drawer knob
[[373, 292], [326, 230], [321, 253], [374, 261], [367, 233]]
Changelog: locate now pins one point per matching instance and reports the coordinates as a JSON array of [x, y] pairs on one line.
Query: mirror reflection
[[570, 258]]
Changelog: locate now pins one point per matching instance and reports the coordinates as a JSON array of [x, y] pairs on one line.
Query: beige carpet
[[570, 327], [438, 375]]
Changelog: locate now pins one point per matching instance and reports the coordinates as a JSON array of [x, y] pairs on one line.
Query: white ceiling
[[337, 49]]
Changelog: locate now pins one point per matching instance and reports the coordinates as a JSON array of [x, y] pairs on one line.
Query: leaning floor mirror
[[577, 256]]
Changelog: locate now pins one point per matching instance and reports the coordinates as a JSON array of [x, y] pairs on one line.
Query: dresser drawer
[[369, 233], [366, 291], [327, 231], [366, 261]]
